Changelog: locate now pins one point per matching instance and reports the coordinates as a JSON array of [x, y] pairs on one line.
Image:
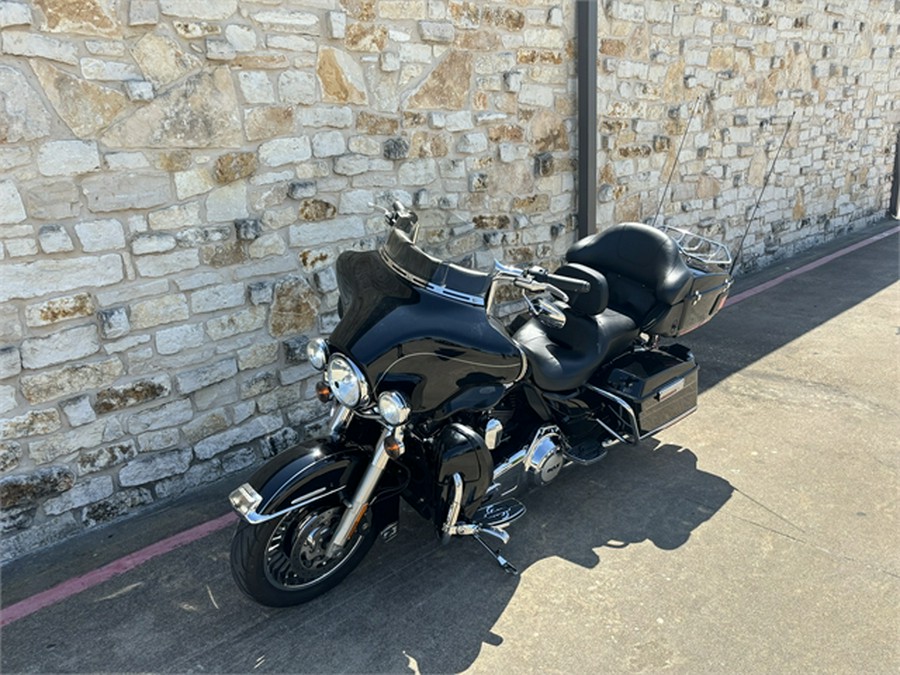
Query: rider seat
[[563, 359]]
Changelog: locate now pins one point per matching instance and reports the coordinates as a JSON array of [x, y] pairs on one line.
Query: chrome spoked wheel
[[295, 555]]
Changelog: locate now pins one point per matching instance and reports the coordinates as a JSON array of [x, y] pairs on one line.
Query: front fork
[[390, 444]]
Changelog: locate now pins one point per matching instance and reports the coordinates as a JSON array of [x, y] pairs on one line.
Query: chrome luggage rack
[[696, 247]]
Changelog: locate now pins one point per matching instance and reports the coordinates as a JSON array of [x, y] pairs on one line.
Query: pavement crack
[[766, 508]]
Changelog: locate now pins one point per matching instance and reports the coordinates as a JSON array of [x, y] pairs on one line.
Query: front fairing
[[444, 355]]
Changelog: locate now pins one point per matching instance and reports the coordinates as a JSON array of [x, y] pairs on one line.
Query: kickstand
[[507, 566]]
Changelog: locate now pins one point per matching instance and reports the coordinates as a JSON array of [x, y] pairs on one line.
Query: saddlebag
[[660, 385]]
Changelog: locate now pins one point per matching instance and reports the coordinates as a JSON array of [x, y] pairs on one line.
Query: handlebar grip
[[568, 284]]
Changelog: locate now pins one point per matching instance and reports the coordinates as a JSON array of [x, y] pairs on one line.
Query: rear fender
[[304, 475]]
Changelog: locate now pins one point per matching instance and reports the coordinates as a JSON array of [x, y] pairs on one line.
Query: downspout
[[586, 52]]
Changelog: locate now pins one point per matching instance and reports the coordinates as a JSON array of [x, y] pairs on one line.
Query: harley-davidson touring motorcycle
[[435, 401]]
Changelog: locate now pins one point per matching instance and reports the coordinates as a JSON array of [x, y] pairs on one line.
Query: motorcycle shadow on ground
[[421, 605]]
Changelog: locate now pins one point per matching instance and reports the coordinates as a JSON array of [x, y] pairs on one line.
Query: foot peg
[[587, 452], [500, 514]]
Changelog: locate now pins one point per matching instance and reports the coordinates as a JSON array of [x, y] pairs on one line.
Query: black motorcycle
[[435, 400]]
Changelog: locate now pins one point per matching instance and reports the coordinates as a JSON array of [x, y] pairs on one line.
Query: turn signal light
[[323, 392], [394, 447]]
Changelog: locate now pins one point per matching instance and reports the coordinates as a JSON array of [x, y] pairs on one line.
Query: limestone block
[[153, 468], [351, 201], [192, 182], [227, 203], [172, 414], [271, 244], [101, 235], [244, 321], [176, 217], [114, 322], [22, 114], [337, 25], [234, 165], [67, 345], [257, 356], [70, 442], [322, 116], [218, 49], [297, 86], [192, 380], [121, 192], [42, 277], [351, 165], [201, 111], [256, 428], [418, 172], [28, 489], [7, 398], [448, 85], [261, 292], [159, 311], [162, 60], [32, 423], [214, 298], [285, 151], [84, 106], [199, 9], [59, 309], [294, 307], [472, 143], [14, 14], [267, 122], [179, 338], [18, 248], [288, 21], [93, 460], [20, 43], [158, 440], [256, 87], [437, 31], [10, 454], [78, 411], [11, 208], [81, 494], [69, 380], [132, 394], [55, 239], [113, 71], [152, 242], [10, 362], [340, 77], [328, 144], [143, 13], [242, 38]]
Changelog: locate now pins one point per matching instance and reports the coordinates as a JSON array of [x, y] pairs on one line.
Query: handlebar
[[567, 284]]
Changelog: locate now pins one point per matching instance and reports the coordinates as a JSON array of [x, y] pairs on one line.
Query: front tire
[[282, 562]]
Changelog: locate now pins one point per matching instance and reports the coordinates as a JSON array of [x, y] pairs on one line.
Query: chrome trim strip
[[475, 300], [453, 511], [636, 432], [255, 518]]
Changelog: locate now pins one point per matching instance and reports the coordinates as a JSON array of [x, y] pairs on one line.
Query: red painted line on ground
[[756, 290], [127, 563]]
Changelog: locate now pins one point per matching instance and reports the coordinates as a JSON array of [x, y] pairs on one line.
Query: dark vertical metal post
[[894, 208], [586, 43]]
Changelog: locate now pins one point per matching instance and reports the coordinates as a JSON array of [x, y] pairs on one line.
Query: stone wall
[[178, 177]]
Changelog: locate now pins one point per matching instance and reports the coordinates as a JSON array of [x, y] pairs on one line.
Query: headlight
[[347, 383], [393, 408], [317, 353]]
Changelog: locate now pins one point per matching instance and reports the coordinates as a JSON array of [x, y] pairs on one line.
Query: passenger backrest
[[642, 266]]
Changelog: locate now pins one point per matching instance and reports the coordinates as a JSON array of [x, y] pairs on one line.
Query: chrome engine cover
[[544, 457]]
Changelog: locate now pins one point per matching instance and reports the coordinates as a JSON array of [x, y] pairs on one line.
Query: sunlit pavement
[[759, 535]]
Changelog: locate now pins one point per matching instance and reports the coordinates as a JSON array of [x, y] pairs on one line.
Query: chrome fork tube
[[350, 519]]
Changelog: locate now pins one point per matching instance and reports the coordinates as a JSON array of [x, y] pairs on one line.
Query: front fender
[[303, 475]]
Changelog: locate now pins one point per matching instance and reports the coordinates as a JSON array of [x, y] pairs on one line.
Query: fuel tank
[[445, 354]]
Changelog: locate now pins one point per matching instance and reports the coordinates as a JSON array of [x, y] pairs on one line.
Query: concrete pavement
[[759, 535]]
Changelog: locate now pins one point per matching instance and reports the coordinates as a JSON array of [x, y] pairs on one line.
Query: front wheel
[[282, 562]]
